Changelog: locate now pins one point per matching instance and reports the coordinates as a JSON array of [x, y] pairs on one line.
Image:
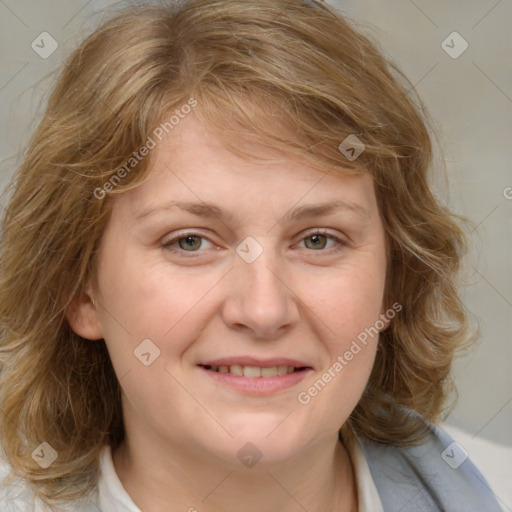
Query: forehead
[[192, 164]]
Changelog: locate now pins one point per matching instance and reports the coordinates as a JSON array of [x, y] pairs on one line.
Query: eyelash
[[168, 245]]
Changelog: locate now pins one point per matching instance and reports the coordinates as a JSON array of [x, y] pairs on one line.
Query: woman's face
[[254, 289]]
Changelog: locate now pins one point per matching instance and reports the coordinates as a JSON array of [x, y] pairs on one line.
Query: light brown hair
[[295, 76]]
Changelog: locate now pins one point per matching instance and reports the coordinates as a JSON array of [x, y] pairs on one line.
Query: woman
[[225, 280]]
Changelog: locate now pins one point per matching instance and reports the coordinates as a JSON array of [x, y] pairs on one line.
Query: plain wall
[[469, 97]]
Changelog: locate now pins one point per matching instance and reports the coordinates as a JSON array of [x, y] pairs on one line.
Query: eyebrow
[[209, 210]]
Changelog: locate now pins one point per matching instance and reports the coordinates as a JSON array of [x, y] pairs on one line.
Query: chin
[[268, 442]]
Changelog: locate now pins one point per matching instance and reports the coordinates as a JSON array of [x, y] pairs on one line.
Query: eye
[[193, 242], [186, 242], [318, 240]]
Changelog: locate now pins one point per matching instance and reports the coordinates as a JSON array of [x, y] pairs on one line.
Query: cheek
[[348, 313], [151, 300], [350, 309], [350, 301], [170, 301]]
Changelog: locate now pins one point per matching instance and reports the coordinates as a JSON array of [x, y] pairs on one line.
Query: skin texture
[[298, 299]]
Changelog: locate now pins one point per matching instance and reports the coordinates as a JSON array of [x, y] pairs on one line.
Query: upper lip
[[255, 361]]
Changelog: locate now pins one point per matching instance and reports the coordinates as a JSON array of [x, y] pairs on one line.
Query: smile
[[250, 379], [254, 371]]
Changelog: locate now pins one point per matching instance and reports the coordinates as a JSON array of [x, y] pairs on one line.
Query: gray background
[[469, 97]]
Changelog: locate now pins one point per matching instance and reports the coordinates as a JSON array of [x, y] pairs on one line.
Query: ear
[[385, 316], [386, 320], [82, 316], [389, 312]]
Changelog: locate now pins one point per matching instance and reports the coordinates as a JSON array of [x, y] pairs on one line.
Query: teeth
[[236, 369], [282, 370], [269, 372], [253, 371]]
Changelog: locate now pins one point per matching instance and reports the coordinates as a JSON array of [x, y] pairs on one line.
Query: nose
[[260, 300]]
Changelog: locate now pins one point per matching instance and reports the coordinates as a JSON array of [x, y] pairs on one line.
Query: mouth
[[251, 376], [255, 371]]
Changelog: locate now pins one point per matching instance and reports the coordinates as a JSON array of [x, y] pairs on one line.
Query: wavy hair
[[292, 75]]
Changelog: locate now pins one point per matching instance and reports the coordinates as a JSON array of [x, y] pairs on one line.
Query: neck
[[317, 480]]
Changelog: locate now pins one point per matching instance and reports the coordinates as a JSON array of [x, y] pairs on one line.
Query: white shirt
[[110, 495]]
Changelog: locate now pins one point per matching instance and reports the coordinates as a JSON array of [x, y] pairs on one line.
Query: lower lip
[[258, 385]]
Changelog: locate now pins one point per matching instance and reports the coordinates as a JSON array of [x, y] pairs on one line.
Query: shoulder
[[436, 475], [17, 496], [493, 459]]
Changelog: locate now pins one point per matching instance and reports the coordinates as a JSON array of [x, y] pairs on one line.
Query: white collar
[[367, 495]]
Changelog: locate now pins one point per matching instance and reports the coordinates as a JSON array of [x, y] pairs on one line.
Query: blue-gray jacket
[[434, 476]]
